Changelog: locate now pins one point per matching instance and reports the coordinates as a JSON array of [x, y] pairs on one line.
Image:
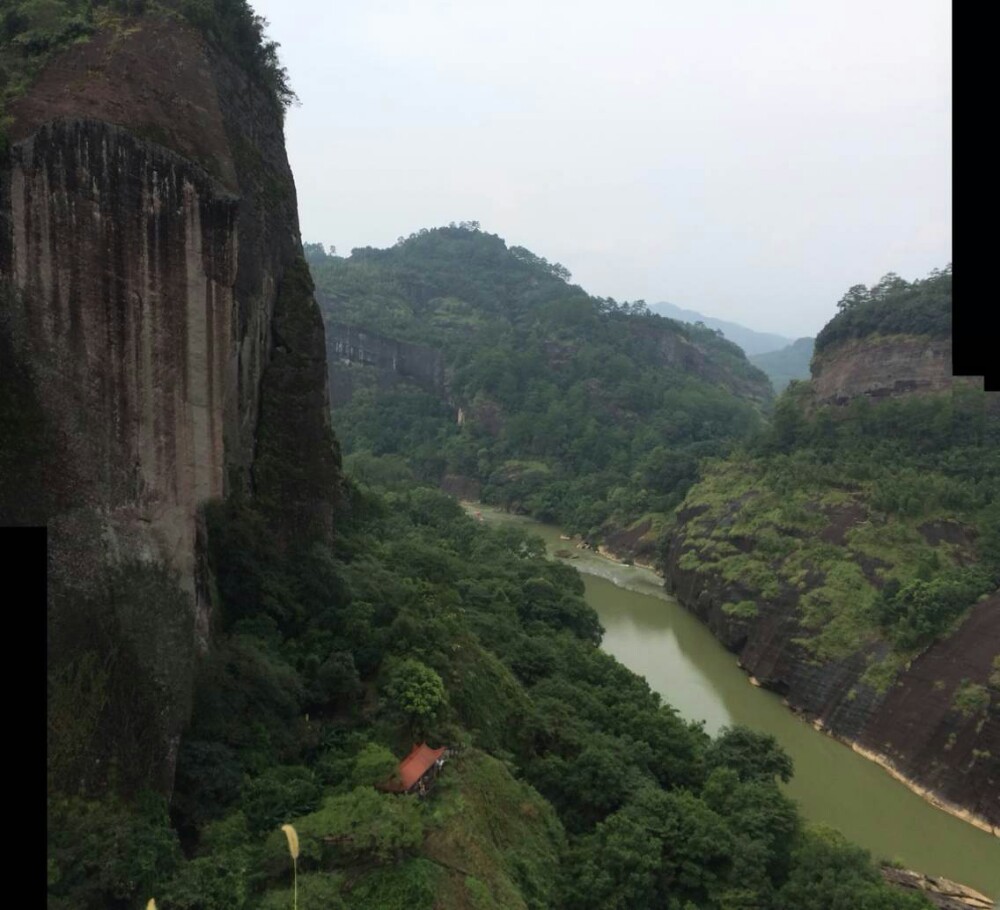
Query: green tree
[[374, 764], [417, 692], [831, 874], [751, 754], [278, 795]]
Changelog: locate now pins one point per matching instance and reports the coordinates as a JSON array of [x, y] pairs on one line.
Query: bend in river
[[656, 637]]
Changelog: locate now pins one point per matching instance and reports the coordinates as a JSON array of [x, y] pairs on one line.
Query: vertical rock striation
[[123, 261], [389, 360], [160, 347]]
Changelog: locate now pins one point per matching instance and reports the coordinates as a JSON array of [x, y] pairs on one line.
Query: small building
[[417, 771]]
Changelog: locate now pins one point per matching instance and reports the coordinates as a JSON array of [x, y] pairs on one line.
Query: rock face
[[914, 728], [155, 315], [925, 738], [124, 261], [388, 360], [941, 892], [884, 367], [918, 727]]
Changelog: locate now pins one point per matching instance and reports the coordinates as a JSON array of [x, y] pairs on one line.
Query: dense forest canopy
[[574, 408], [892, 307], [574, 785]]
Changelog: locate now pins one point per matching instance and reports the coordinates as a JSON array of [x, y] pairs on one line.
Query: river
[[654, 636]]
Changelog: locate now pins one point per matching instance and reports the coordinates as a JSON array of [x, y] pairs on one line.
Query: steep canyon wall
[[164, 348]]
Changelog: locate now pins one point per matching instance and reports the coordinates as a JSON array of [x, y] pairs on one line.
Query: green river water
[[654, 636]]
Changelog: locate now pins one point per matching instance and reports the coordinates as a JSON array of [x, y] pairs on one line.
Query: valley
[[653, 635], [263, 594]]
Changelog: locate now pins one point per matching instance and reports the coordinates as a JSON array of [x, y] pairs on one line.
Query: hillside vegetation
[[892, 307], [569, 407], [882, 521], [574, 785], [344, 619]]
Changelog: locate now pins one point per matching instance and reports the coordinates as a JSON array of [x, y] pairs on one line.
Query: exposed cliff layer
[[884, 367], [124, 262], [149, 251]]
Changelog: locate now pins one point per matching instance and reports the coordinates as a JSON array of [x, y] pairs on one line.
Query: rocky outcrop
[[916, 728], [922, 731], [638, 544], [387, 360], [943, 893], [880, 367], [160, 328]]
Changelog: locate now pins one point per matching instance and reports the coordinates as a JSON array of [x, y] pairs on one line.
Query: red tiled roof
[[416, 764]]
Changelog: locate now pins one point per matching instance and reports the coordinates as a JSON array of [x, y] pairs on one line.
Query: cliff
[[352, 351], [849, 556], [917, 727], [880, 367], [160, 325]]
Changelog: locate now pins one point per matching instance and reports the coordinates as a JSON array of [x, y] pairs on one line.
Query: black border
[[24, 567], [975, 338]]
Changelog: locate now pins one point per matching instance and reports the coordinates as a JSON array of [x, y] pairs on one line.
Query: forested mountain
[[864, 523], [569, 407], [241, 636], [751, 341], [787, 364]]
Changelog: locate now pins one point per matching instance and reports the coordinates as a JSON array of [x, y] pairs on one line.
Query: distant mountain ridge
[[752, 341], [787, 364]]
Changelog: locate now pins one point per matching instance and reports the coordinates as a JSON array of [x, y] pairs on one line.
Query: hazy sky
[[750, 160]]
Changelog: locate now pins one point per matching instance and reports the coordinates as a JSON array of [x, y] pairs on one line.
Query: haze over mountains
[[786, 364], [752, 341], [782, 358]]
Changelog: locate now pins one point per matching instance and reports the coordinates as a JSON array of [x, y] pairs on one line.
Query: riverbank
[[925, 793], [882, 760], [658, 638]]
